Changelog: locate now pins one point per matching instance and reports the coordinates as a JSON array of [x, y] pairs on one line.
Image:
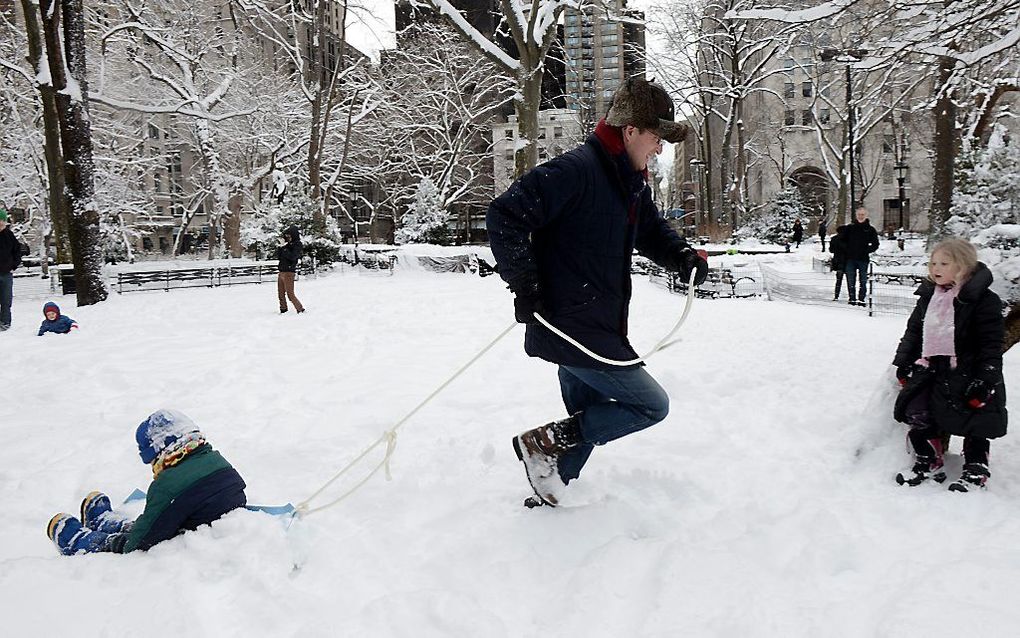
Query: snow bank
[[764, 505]]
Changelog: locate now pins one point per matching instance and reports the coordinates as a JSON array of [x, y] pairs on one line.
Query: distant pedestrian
[[838, 262], [10, 259], [798, 233], [861, 240], [289, 254], [823, 228], [56, 322]]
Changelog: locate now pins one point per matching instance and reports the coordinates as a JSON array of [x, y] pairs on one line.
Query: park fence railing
[[890, 289]]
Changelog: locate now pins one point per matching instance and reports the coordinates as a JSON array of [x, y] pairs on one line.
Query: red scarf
[[611, 138]]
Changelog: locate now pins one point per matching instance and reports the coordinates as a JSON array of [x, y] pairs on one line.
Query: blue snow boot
[[93, 507], [97, 514], [71, 537]]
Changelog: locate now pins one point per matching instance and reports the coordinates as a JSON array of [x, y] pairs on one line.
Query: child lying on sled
[[192, 485]]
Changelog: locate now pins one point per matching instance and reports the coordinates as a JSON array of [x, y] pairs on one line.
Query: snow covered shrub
[[425, 220], [773, 223], [986, 209], [261, 232]]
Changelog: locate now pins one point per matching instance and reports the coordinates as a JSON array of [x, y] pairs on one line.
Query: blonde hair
[[959, 251]]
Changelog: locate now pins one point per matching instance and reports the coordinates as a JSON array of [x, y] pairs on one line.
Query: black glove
[[978, 393], [688, 260], [527, 301], [903, 372]]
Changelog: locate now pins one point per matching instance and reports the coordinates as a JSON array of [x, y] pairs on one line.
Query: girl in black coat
[[949, 363]]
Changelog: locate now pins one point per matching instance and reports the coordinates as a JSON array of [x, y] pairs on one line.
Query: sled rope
[[389, 437], [659, 346]]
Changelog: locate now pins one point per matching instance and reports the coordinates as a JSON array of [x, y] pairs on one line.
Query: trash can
[[67, 284]]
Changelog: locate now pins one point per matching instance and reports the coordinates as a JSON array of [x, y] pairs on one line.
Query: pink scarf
[[938, 338]]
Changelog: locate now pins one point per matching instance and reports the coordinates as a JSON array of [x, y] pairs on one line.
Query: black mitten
[[527, 300]]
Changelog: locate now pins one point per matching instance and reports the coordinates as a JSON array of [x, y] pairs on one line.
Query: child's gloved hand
[[978, 393], [903, 373]]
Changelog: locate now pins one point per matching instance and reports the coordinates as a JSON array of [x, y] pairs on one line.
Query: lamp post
[[697, 168], [901, 177], [849, 56]]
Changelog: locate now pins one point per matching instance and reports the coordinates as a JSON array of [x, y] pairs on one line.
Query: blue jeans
[[855, 268], [6, 297], [612, 403]]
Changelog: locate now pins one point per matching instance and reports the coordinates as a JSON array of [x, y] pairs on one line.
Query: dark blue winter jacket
[[61, 325], [573, 222]]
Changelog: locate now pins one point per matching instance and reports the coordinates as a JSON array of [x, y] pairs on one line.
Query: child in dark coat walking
[[949, 363], [838, 264], [56, 322], [192, 485]]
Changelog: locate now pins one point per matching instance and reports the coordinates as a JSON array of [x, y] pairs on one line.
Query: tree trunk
[[57, 202], [68, 52], [945, 146], [232, 225], [526, 107]]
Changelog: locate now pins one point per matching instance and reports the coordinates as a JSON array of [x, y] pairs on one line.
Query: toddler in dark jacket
[[54, 321], [949, 363], [192, 485]]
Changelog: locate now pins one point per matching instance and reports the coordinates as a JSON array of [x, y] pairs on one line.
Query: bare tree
[[438, 106]]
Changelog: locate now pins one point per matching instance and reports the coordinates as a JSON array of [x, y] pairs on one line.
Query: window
[[557, 132], [788, 65], [788, 90], [888, 144], [823, 116], [805, 117], [541, 133], [508, 134], [805, 89], [610, 39], [887, 173], [153, 132], [612, 50], [790, 117], [508, 154]]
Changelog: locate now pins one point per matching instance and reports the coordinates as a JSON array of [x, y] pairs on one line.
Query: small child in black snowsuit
[[949, 363]]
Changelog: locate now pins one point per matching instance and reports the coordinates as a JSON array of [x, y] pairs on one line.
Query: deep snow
[[763, 506]]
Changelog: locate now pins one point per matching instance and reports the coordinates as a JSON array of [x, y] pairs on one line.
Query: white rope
[[390, 436], [659, 346]]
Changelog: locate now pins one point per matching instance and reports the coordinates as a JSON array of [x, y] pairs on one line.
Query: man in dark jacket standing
[[289, 254], [10, 259], [860, 240], [563, 235]]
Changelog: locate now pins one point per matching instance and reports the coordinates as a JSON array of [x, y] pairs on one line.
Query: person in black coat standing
[[289, 254], [563, 235], [860, 240], [798, 232], [823, 229], [838, 262], [949, 363], [10, 259]]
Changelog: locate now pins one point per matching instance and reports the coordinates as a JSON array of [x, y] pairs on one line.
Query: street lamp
[[901, 177], [849, 56], [697, 167]]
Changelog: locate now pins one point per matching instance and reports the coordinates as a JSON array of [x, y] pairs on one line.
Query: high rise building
[[604, 44]]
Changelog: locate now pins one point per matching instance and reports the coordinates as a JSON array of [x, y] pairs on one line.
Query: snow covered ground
[[763, 506]]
